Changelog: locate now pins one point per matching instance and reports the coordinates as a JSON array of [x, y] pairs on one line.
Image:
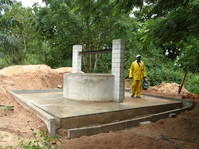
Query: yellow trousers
[[136, 87]]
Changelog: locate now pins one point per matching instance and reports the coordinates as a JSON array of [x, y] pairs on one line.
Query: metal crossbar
[[96, 52]]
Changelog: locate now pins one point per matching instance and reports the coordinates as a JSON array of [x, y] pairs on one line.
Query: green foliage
[[104, 64], [90, 23], [192, 83], [17, 34], [6, 107], [39, 141], [127, 5], [189, 59], [59, 30], [173, 29], [10, 49], [4, 4], [163, 73]]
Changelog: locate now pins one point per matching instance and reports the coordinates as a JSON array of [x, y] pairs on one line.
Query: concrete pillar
[[77, 59], [117, 69]]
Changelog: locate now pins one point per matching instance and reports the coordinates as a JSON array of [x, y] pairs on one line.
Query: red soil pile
[[171, 90], [25, 77]]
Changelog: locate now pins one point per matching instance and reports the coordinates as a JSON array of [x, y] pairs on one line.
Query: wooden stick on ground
[[182, 83]]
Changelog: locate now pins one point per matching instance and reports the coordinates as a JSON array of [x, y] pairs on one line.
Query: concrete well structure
[[89, 87], [96, 87]]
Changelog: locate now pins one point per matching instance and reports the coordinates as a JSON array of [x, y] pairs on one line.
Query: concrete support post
[[117, 69], [77, 58]]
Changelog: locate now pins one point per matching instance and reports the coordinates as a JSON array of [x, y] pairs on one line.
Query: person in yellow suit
[[138, 73]]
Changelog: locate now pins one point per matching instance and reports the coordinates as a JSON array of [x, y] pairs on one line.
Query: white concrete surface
[[89, 87]]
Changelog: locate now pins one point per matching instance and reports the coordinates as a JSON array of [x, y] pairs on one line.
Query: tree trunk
[[96, 60]]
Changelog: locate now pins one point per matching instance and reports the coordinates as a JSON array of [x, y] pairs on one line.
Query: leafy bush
[[192, 83], [164, 74]]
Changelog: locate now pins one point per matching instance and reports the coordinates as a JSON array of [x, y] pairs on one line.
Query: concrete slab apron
[[51, 122], [57, 111]]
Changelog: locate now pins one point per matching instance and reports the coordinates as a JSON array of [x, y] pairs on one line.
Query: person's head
[[138, 57]]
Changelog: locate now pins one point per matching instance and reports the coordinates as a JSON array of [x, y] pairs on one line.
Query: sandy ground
[[181, 132]]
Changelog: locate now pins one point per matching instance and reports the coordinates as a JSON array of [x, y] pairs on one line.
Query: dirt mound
[[21, 69], [27, 77], [64, 70], [171, 89], [168, 88], [31, 77]]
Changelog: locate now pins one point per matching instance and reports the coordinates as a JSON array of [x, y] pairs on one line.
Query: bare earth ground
[[181, 132]]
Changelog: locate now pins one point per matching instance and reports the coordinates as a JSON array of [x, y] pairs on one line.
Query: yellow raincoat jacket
[[137, 71]]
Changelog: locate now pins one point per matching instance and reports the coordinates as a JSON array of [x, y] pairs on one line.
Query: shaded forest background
[[165, 33]]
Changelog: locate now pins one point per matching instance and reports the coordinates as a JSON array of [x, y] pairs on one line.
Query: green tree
[[9, 45], [180, 26], [65, 23], [18, 22], [4, 4]]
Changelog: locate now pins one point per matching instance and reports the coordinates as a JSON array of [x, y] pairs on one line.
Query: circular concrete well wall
[[88, 87]]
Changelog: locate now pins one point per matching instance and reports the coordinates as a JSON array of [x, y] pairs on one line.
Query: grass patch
[[40, 140], [6, 108]]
